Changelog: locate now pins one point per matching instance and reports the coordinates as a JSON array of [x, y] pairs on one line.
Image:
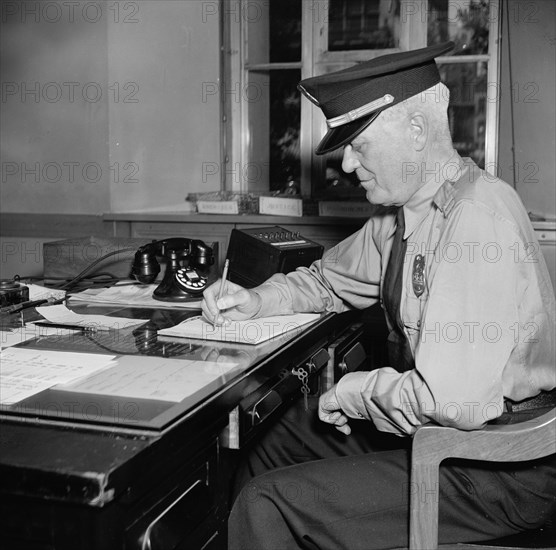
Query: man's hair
[[433, 103]]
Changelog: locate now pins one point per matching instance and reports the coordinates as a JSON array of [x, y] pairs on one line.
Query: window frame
[[315, 60]]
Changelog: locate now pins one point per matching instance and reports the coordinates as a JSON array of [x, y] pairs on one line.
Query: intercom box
[[68, 258], [257, 253]]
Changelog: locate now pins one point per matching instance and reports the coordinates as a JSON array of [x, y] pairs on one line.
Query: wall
[[102, 109], [527, 88], [102, 104], [172, 133], [54, 109]]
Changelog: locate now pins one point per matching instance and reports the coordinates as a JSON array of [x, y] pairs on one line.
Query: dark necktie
[[399, 351]]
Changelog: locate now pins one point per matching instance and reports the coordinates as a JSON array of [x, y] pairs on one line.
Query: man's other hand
[[330, 412]]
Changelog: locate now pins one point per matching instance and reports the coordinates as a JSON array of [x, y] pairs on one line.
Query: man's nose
[[349, 162]]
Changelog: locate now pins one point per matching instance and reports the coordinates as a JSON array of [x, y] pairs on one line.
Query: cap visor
[[342, 135]]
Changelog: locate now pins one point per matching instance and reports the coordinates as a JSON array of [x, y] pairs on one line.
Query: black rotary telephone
[[187, 268]]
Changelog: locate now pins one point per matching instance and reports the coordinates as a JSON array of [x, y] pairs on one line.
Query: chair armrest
[[526, 440]]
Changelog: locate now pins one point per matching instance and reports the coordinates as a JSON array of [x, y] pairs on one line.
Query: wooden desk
[[90, 471]]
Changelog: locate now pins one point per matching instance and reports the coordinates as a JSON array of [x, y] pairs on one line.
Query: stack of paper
[[38, 292], [132, 295], [61, 315], [252, 331]]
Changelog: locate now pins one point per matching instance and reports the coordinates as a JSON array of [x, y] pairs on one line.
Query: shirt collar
[[419, 205], [444, 199]]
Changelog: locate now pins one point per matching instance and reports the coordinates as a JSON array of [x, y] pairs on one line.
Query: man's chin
[[375, 197]]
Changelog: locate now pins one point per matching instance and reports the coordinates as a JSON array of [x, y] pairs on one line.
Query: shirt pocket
[[412, 314]]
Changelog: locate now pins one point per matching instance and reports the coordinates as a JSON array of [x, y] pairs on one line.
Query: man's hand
[[237, 304], [330, 412]]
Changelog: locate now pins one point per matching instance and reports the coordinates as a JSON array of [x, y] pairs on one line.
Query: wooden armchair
[[528, 440]]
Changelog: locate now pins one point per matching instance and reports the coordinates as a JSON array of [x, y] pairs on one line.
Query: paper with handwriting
[[159, 378], [26, 372]]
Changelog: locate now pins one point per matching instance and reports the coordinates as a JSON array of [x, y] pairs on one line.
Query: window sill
[[262, 219]]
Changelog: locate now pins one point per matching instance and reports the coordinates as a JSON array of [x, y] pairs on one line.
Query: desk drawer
[[271, 398], [182, 517], [347, 354]]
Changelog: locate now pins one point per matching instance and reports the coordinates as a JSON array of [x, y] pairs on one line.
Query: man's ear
[[419, 129]]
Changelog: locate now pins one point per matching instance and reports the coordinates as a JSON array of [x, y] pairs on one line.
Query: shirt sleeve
[[348, 276], [466, 337]]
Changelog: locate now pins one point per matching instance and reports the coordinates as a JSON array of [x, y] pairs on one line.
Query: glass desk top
[[154, 381]]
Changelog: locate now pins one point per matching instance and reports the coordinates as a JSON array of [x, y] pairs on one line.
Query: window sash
[[316, 60]]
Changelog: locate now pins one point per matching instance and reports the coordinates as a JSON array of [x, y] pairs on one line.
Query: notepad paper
[[252, 331]]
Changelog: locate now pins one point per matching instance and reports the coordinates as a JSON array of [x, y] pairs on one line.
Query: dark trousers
[[305, 485]]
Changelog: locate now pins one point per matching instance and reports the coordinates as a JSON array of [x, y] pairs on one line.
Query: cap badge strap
[[360, 112]]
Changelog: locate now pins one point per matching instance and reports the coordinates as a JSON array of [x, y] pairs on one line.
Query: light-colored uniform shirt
[[477, 303]]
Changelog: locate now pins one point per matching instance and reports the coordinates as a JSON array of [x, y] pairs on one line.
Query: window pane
[[274, 122], [285, 31], [285, 117], [363, 24], [465, 22], [274, 30], [467, 83], [336, 183]]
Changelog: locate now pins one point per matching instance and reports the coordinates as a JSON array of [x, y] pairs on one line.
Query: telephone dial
[[187, 268]]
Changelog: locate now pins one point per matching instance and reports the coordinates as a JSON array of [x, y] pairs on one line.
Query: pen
[[30, 303], [61, 325], [224, 277], [223, 281]]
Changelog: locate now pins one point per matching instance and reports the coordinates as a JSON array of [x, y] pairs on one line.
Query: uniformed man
[[452, 256]]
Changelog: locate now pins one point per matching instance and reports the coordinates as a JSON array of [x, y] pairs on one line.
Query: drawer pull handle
[[146, 543]]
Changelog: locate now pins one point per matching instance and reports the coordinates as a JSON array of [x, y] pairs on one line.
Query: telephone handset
[[187, 268]]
